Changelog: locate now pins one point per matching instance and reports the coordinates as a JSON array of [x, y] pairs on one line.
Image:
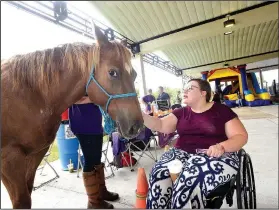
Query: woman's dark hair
[[204, 86]]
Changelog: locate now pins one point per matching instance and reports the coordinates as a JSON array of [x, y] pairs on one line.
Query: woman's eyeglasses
[[190, 88]]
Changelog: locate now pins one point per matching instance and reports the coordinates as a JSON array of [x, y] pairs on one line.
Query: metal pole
[[261, 78], [45, 12], [143, 74]]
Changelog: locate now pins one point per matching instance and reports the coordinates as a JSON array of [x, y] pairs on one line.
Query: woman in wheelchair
[[201, 125]]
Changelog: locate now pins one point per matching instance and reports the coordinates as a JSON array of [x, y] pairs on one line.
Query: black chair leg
[[215, 204]]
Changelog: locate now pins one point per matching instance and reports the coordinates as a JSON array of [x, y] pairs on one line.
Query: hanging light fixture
[[60, 10], [228, 32], [229, 22]]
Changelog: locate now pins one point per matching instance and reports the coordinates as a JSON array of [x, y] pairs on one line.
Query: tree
[[137, 91]]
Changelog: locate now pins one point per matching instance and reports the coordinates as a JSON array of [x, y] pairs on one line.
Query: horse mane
[[42, 69]]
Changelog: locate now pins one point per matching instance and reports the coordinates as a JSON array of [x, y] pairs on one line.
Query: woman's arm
[[84, 100], [237, 136], [164, 125]]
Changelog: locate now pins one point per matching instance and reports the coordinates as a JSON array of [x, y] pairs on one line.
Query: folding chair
[[105, 155], [80, 164], [104, 152], [45, 160], [166, 139], [163, 105], [176, 106], [145, 138]]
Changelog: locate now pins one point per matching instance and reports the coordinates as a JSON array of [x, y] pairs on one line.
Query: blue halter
[[109, 126]]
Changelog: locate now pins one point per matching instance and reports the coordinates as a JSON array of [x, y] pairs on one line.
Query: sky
[[22, 32]]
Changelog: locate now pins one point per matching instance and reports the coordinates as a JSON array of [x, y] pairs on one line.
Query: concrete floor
[[261, 124]]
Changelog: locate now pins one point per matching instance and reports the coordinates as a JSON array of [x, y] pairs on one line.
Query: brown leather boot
[[92, 186], [106, 195]]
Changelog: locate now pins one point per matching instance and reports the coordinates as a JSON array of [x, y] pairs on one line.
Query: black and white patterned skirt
[[200, 176]]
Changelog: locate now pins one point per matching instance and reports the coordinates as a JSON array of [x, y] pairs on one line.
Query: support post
[[144, 91], [261, 78], [242, 69]]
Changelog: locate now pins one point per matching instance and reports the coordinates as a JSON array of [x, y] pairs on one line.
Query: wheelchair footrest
[[229, 200], [229, 197], [214, 203]]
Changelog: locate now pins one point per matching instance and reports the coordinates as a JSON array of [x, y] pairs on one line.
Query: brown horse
[[37, 87]]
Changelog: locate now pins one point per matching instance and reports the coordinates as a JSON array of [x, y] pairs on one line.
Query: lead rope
[[109, 124]]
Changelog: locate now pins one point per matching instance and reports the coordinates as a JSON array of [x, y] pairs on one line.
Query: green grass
[[54, 154], [105, 139]]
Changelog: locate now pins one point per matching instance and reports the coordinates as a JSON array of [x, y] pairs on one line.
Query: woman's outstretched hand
[[216, 150], [144, 114]]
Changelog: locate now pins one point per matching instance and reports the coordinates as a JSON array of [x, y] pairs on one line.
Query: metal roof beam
[[82, 25], [234, 62]]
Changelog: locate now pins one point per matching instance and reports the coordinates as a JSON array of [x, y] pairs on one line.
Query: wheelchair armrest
[[241, 152]]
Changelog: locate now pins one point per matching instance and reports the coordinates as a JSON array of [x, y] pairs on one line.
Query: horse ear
[[100, 37], [124, 42]]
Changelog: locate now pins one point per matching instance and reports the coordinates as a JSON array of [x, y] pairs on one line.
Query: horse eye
[[113, 73]]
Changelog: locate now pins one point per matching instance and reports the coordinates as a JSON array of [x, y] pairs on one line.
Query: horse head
[[111, 85]]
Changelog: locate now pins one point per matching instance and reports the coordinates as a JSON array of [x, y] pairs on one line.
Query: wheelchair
[[243, 184]]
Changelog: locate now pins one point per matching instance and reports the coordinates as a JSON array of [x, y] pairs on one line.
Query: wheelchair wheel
[[245, 184]]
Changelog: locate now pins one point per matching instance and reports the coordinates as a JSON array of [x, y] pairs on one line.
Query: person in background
[[163, 95], [86, 123], [220, 92], [239, 100], [147, 100], [216, 97], [274, 87], [178, 97], [210, 134]]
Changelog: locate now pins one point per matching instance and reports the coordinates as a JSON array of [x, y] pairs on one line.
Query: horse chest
[[41, 133]]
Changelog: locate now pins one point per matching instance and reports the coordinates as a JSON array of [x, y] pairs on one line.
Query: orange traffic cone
[[142, 189]]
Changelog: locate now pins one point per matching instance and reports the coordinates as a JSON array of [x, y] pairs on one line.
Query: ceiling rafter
[[81, 23]]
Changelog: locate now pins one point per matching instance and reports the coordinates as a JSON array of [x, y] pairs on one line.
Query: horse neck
[[72, 82], [69, 91]]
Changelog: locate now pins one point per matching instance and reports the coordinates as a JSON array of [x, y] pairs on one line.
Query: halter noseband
[[109, 124]]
